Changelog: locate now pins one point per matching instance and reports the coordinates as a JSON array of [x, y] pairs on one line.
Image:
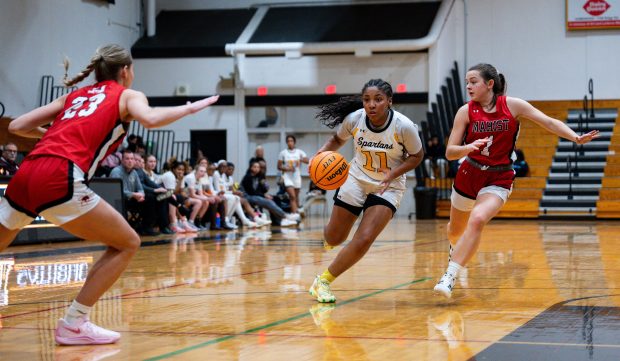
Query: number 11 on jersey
[[369, 163]]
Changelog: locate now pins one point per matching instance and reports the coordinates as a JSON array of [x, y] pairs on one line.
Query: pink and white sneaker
[[86, 333]]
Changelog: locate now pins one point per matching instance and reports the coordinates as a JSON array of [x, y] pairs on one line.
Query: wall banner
[[592, 14]]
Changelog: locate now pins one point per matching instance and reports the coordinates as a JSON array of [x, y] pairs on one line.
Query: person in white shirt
[[194, 191], [172, 180], [225, 189], [289, 163]]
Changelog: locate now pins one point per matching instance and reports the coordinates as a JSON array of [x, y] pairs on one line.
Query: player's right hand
[[477, 144]]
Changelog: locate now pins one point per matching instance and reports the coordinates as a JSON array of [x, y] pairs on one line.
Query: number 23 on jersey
[[85, 106]]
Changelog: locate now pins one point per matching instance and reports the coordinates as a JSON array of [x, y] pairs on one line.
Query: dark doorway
[[212, 143]]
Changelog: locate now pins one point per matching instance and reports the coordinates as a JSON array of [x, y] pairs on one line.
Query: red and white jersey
[[500, 127], [88, 129]]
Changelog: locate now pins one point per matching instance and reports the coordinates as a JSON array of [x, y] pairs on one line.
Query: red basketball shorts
[[51, 187], [471, 181]]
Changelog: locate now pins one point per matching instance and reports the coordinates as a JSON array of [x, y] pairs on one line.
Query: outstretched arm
[[521, 108], [30, 124], [138, 108]]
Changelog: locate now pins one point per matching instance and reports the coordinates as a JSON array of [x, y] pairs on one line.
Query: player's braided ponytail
[[106, 63]]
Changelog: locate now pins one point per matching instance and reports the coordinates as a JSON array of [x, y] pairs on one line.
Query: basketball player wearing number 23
[[387, 145]]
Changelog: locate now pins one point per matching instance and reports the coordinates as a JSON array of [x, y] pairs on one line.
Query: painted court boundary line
[[279, 322]]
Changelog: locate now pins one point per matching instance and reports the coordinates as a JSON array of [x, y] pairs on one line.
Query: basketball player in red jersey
[[86, 126], [484, 132]]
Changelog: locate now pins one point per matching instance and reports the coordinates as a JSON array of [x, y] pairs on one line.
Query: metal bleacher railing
[[439, 123], [160, 143], [585, 118]]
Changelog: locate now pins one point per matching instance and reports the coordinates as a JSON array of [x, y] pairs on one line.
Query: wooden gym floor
[[535, 291]]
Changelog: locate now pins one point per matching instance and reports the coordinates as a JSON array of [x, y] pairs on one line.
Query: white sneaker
[[293, 217], [250, 224], [285, 222], [321, 291], [86, 333], [189, 227], [262, 222], [445, 285]]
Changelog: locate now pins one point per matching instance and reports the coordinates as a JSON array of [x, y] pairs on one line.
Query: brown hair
[[488, 72], [106, 63]]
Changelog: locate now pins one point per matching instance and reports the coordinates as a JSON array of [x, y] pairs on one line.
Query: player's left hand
[[387, 179], [586, 138], [202, 103]]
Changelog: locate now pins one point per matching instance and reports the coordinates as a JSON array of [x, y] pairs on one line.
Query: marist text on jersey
[[486, 126]]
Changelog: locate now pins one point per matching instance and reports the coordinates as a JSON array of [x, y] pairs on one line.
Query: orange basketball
[[329, 170]]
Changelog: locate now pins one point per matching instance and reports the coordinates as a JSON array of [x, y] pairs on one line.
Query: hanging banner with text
[[592, 14]]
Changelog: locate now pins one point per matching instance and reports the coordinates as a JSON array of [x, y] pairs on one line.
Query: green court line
[[280, 322]]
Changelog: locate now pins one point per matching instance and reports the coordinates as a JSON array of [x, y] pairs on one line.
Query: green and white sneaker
[[321, 291]]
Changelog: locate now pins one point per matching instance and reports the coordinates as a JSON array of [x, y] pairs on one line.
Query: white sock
[[76, 312], [454, 268]]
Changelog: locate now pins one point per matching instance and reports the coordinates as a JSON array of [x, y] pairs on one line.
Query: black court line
[[562, 332]]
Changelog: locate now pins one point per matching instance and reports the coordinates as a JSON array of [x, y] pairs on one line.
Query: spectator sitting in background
[[8, 164], [212, 191], [255, 188], [435, 158], [194, 190], [156, 203], [178, 209], [520, 166], [132, 191], [233, 187], [150, 167], [233, 202]]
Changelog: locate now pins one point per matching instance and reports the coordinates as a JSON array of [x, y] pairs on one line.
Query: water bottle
[[218, 221]]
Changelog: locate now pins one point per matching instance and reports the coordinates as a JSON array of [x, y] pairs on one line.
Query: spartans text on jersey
[[362, 143]]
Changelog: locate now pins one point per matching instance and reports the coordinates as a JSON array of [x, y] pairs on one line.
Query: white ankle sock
[[76, 312], [454, 268]]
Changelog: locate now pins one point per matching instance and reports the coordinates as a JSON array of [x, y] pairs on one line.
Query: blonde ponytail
[[106, 63]]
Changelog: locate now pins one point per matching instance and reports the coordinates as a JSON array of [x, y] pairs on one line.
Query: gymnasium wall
[[35, 35], [528, 41]]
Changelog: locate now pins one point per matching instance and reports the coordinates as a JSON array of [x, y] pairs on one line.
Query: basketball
[[329, 170]]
